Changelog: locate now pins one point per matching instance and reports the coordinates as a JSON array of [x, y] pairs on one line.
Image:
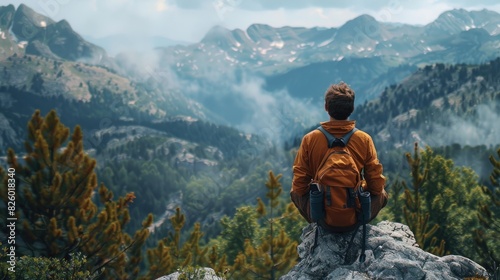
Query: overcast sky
[[189, 20]]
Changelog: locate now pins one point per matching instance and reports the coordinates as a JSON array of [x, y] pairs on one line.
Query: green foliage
[[57, 212], [453, 196], [196, 273], [159, 163], [476, 157], [274, 253], [416, 216], [172, 253], [425, 101], [72, 268], [192, 273], [442, 204], [396, 202], [487, 239], [243, 226], [52, 268]]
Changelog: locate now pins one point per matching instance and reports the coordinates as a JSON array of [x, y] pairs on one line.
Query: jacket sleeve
[[302, 170], [373, 170]]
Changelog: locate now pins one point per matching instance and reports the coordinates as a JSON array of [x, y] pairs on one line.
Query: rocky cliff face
[[391, 253]]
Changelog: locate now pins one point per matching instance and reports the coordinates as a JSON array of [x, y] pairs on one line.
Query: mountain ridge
[[295, 63], [433, 98], [40, 35], [276, 53]]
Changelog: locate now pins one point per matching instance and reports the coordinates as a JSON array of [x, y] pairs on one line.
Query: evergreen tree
[[172, 254], [236, 230], [452, 194], [416, 216], [445, 195], [396, 202], [56, 210], [487, 238], [273, 255]]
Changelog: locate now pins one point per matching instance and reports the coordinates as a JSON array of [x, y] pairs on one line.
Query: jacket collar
[[338, 127]]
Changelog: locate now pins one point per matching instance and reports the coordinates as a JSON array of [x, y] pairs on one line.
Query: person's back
[[339, 103]]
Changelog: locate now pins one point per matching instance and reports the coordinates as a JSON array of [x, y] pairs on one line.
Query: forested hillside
[[450, 107], [434, 103], [94, 96]]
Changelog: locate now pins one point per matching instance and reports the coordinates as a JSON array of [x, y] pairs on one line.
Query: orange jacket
[[314, 146]]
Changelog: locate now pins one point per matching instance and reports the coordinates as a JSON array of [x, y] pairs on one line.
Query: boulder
[[391, 253], [200, 273]]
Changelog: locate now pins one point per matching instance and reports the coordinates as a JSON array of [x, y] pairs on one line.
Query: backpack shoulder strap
[[333, 141]]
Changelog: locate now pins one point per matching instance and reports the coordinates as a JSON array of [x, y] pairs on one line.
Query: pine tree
[[445, 195], [416, 216], [236, 230], [160, 261], [56, 195], [273, 255], [487, 238], [171, 254]]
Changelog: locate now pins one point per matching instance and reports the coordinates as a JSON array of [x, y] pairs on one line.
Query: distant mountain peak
[[259, 32], [45, 37], [64, 24], [259, 26], [363, 30], [6, 15], [362, 20], [217, 30], [24, 12], [456, 20], [460, 14], [456, 10], [216, 34], [365, 17], [363, 23]]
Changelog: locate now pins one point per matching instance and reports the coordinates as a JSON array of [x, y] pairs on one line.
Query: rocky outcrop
[[391, 253], [202, 274]]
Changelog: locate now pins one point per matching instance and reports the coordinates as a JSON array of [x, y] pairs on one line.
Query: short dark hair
[[339, 101]]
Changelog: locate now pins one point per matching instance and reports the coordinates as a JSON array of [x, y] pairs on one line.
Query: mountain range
[[235, 77], [368, 54], [276, 50]]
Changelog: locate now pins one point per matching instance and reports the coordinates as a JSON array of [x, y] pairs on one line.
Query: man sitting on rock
[[339, 103]]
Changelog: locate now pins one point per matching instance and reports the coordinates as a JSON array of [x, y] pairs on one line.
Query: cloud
[[275, 115], [237, 98], [475, 131], [161, 5], [281, 4], [340, 4], [189, 20], [321, 13], [308, 17]]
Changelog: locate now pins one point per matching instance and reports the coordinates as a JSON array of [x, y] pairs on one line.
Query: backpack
[[338, 202]]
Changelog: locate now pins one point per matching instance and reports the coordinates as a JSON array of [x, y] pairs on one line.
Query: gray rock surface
[[391, 253], [201, 274]]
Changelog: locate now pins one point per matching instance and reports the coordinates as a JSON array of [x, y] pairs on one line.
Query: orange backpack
[[339, 180], [337, 199]]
